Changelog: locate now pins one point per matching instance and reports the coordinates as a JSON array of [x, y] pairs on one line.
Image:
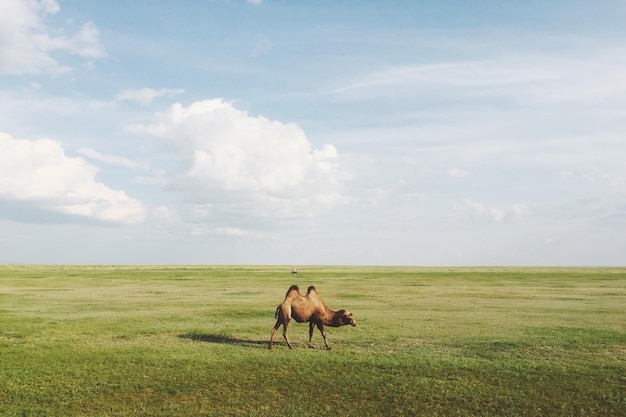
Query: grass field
[[192, 341]]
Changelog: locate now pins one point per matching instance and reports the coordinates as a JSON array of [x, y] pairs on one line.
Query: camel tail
[[277, 310]]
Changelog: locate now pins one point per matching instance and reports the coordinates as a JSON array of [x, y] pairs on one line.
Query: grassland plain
[[192, 340]]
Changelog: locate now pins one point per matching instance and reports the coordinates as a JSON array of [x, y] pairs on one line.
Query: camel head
[[345, 317]]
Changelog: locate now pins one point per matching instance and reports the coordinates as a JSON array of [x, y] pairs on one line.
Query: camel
[[309, 308]]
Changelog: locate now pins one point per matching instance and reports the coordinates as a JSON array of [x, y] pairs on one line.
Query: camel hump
[[293, 288], [311, 289]]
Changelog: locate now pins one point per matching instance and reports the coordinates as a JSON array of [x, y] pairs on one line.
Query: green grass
[[192, 341]]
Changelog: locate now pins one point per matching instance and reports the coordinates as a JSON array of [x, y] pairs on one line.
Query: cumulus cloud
[[27, 44], [39, 172], [146, 96], [246, 162]]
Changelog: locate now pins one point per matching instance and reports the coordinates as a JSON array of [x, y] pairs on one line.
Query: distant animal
[[294, 271], [308, 308]]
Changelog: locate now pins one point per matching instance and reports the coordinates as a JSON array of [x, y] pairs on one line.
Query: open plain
[[192, 340]]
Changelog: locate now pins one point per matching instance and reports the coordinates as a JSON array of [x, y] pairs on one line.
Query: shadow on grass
[[222, 339]]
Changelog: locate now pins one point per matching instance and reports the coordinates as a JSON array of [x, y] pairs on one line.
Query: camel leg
[[320, 326], [276, 326], [311, 328], [285, 333]]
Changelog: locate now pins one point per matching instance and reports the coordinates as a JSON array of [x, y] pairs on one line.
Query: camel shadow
[[222, 339]]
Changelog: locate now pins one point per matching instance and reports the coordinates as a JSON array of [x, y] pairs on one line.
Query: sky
[[427, 133]]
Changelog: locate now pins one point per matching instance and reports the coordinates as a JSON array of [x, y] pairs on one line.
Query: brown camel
[[309, 308]]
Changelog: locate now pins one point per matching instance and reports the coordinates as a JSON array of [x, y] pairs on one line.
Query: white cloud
[[255, 2], [482, 212], [526, 78], [479, 211], [520, 211], [246, 163], [485, 76], [373, 197], [262, 47], [146, 96], [220, 231], [26, 44], [113, 159], [458, 173], [39, 172]]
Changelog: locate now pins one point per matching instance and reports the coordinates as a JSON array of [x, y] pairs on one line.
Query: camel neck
[[331, 318]]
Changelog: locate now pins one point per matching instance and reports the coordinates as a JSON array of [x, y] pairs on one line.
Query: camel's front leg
[[320, 326]]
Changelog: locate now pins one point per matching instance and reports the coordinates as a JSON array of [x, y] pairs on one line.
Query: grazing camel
[[309, 308]]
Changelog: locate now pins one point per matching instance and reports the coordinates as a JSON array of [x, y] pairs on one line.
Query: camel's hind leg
[[282, 318], [320, 326], [276, 326], [285, 325], [311, 328]]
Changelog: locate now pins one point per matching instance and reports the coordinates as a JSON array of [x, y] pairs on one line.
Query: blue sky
[[332, 132]]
